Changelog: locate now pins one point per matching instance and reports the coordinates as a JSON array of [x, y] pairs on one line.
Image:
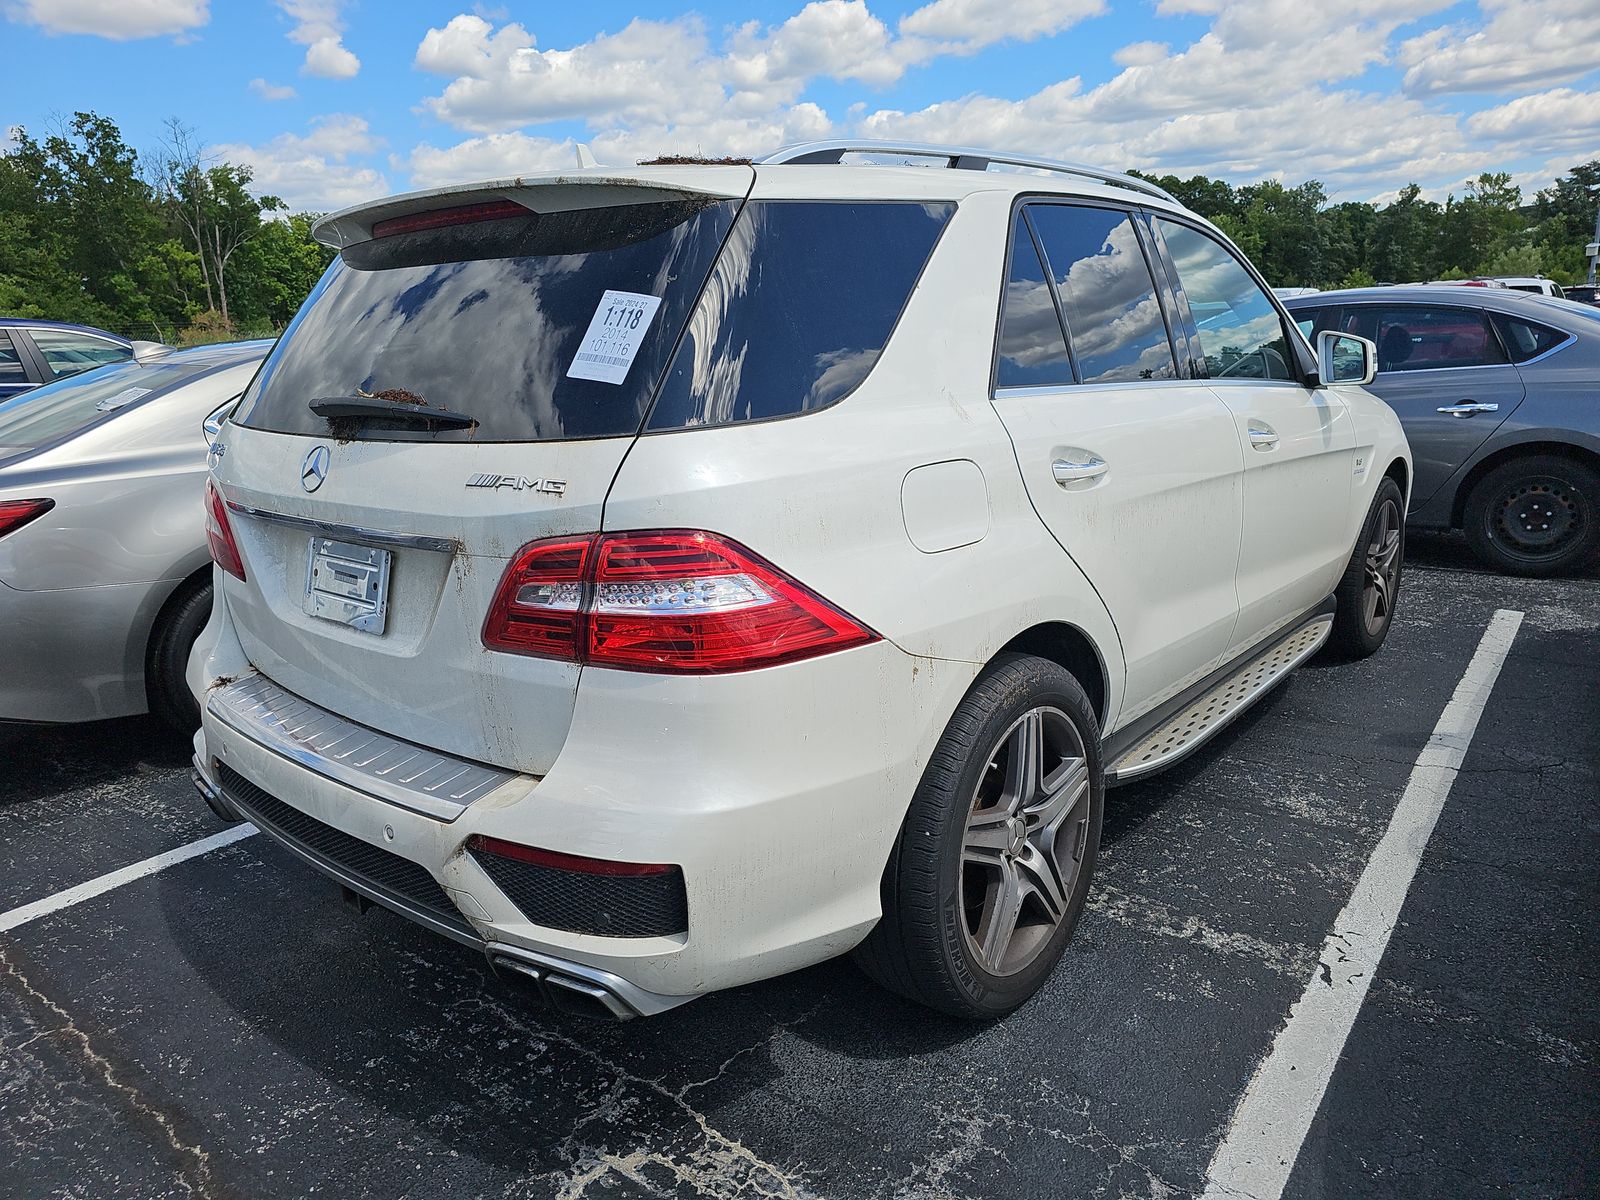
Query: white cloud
[[1525, 42], [669, 72], [119, 20], [271, 91], [319, 27], [1543, 121], [314, 171]]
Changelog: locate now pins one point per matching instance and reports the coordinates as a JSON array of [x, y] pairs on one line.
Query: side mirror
[[1345, 358]]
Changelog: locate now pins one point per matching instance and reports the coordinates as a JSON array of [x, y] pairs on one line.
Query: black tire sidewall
[[1478, 516], [1026, 683], [178, 627]]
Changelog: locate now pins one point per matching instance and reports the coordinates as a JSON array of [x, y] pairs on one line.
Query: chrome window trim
[[354, 533]]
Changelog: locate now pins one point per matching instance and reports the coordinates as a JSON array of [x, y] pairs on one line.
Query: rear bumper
[[75, 654], [778, 792]]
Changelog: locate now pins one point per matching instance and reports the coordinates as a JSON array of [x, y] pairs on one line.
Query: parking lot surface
[[225, 1027]]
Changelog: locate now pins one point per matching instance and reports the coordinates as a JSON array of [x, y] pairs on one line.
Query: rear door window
[[798, 310], [1418, 337], [1527, 339], [1114, 320], [488, 319], [11, 372], [1241, 334], [1032, 350], [67, 353]]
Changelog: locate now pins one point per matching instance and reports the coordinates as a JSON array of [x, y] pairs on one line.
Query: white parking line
[[1273, 1116], [115, 879]]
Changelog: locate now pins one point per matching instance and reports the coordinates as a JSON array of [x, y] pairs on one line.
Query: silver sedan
[[105, 579]]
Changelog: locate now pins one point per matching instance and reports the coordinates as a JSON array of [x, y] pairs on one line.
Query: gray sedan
[[1499, 393], [105, 579]]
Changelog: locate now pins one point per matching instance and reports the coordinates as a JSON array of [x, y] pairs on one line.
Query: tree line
[[166, 245], [170, 245], [1298, 239]]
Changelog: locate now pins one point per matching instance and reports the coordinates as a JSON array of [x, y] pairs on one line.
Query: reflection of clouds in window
[[715, 376], [1118, 332], [1032, 334], [1241, 334], [838, 372]]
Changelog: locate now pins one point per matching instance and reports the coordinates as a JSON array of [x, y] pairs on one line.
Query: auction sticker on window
[[615, 334]]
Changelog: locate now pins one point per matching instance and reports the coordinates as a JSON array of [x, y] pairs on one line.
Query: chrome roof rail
[[969, 158]]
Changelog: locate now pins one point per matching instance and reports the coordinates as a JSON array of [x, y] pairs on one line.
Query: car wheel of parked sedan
[[990, 872], [176, 629], [1370, 586], [1538, 515]]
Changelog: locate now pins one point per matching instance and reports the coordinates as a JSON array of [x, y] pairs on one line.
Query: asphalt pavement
[[226, 1027]]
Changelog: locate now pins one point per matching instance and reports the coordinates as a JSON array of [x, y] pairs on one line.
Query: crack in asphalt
[[195, 1173]]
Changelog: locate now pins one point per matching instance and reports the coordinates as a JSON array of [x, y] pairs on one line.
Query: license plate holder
[[348, 584]]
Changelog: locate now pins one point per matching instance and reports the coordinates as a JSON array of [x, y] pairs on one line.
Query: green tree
[[1405, 236]]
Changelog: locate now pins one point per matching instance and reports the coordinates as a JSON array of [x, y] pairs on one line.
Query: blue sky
[[334, 101]]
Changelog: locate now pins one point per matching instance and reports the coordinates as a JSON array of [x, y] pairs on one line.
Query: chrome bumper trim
[[422, 781]]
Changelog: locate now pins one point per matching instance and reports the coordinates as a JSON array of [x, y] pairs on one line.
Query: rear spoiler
[[556, 191]]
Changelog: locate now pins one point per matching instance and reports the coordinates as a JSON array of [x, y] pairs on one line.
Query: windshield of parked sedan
[[70, 405]]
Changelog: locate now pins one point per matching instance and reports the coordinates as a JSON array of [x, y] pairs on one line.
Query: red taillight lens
[[461, 214], [219, 534], [676, 601], [539, 607], [14, 514]]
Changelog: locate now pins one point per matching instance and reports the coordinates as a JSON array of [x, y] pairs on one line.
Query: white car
[[666, 578]]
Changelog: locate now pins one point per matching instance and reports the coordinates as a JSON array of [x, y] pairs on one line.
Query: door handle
[[1467, 408], [1066, 471], [1262, 436]]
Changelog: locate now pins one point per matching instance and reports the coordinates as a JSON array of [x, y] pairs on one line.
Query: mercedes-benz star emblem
[[315, 468]]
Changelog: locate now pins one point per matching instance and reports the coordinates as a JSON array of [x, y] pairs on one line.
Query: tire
[[176, 629], [1538, 516], [961, 852], [1370, 587]]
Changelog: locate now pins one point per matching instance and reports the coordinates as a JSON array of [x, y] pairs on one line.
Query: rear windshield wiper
[[361, 408]]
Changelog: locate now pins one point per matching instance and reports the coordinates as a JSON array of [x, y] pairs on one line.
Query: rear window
[[1527, 339], [798, 310], [10, 362], [70, 405], [489, 319]]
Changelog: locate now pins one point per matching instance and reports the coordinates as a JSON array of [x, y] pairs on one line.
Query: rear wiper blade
[[366, 407]]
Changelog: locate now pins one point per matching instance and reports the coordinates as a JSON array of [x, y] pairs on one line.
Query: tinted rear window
[[1033, 349], [798, 309], [1527, 339], [487, 318], [72, 404]]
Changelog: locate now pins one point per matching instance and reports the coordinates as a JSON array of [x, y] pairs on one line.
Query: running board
[[1198, 723]]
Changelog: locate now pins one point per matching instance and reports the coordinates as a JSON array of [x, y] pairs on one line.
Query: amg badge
[[518, 483]]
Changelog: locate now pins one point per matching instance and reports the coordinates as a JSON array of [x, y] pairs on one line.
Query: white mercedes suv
[[662, 579]]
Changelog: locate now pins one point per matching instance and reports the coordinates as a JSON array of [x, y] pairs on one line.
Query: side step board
[[1191, 727]]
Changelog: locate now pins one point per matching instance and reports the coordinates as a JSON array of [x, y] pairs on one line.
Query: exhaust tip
[[575, 997]]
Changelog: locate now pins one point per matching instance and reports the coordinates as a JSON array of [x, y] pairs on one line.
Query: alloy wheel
[[1022, 849], [1382, 568]]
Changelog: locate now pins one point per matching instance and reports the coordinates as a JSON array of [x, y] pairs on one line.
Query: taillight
[[14, 514], [219, 534], [676, 601]]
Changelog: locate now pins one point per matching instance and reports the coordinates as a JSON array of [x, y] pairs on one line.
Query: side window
[[1525, 339], [68, 353], [1416, 337], [11, 371], [798, 309], [1241, 334], [1032, 349], [1113, 317]]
